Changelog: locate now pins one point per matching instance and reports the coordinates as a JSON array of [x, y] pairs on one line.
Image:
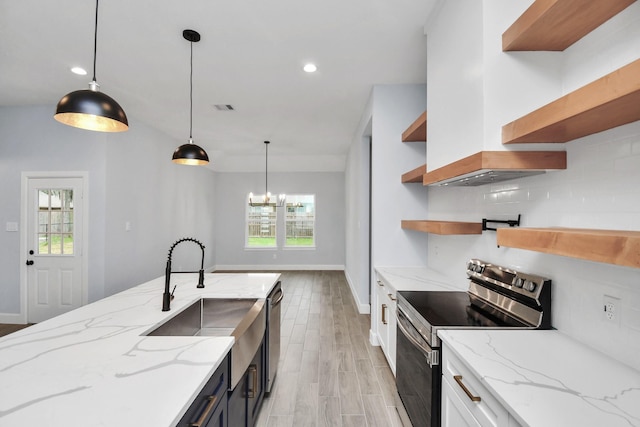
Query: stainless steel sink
[[242, 318]]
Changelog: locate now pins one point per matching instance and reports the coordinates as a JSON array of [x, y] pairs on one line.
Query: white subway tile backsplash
[[599, 189]]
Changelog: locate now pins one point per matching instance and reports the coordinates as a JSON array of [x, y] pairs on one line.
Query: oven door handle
[[431, 355]]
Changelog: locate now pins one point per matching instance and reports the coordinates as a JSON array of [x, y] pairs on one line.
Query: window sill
[[260, 248], [299, 248]]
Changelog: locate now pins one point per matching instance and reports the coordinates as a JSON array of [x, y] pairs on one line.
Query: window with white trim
[[300, 220], [261, 226]]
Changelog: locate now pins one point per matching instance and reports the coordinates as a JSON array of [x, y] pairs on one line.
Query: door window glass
[[55, 222]]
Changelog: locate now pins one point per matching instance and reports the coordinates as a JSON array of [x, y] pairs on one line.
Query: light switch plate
[[12, 226]]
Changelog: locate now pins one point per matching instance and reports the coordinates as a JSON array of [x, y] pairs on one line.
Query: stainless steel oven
[[497, 298], [417, 373]]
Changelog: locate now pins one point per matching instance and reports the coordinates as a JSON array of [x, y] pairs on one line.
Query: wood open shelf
[[609, 246], [498, 160], [608, 102], [557, 24], [443, 227], [417, 131], [414, 175]]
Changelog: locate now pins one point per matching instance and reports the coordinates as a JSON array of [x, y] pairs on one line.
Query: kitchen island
[[95, 366]]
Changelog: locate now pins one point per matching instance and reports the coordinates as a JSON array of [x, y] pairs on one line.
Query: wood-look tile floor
[[329, 374], [7, 328]]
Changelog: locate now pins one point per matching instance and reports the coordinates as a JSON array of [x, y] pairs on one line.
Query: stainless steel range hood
[[487, 167]]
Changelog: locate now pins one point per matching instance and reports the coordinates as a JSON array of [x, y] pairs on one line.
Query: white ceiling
[[250, 56]]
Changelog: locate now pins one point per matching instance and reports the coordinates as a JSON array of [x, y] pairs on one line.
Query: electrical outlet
[[611, 309]]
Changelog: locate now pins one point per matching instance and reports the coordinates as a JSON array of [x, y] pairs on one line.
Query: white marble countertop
[[94, 367], [547, 379], [421, 279]]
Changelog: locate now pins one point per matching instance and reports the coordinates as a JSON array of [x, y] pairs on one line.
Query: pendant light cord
[[95, 43], [266, 169], [191, 96]]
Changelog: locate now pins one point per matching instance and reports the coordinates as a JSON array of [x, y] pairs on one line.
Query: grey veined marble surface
[[422, 279], [547, 379], [95, 367]]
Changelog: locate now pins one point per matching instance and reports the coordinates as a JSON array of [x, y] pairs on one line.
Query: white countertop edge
[[95, 366], [421, 278], [545, 378]]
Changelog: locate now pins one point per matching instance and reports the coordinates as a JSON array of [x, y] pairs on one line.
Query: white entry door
[[54, 265]]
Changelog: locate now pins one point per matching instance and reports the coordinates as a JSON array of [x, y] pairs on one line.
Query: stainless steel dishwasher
[[274, 312]]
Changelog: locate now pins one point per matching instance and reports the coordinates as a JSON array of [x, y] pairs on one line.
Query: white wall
[[31, 140], [357, 212], [598, 190], [231, 193], [131, 178], [392, 108], [395, 108], [161, 201]]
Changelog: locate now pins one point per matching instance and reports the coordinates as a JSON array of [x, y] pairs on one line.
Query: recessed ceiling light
[[79, 71], [310, 68]]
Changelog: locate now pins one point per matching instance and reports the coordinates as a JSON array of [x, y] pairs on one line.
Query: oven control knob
[[519, 282], [530, 286]]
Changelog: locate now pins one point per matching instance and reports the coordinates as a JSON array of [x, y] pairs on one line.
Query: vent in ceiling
[[224, 107]]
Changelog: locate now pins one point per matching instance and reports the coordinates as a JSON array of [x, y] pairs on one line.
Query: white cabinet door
[[472, 398], [385, 306], [392, 329], [382, 314], [454, 412]]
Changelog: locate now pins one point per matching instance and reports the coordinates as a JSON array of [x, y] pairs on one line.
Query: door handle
[[384, 314], [211, 402], [253, 371], [30, 262], [464, 388]]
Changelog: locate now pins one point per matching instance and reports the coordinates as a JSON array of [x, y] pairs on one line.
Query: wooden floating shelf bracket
[[414, 175], [608, 246], [443, 227], [417, 132], [557, 24], [608, 102], [498, 160]]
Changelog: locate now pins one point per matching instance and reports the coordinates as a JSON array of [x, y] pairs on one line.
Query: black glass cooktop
[[455, 309]]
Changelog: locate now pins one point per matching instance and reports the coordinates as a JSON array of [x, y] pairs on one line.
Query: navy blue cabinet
[[246, 399], [209, 409]]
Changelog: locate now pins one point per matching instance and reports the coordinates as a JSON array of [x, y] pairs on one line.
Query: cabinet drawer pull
[[391, 297], [253, 370], [206, 412], [384, 314], [380, 283], [464, 388]]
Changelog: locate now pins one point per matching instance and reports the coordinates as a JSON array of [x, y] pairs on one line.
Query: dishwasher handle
[[275, 301]]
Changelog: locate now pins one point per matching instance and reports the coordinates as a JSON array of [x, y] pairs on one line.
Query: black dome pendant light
[[89, 108], [190, 153]]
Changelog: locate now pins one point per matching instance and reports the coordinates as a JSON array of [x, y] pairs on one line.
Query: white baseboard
[[373, 338], [13, 318], [363, 308], [280, 267]]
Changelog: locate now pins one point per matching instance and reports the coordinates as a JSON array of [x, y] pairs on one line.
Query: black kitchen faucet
[[168, 296]]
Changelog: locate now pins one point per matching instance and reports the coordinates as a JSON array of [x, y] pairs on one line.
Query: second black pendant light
[[190, 153]]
